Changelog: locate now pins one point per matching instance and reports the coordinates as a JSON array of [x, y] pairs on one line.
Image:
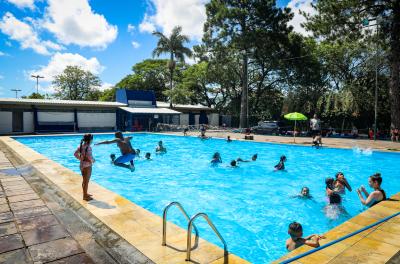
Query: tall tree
[[241, 24], [174, 45], [74, 83], [338, 21]]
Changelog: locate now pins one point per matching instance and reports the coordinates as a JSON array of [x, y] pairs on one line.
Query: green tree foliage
[[338, 22], [75, 83], [244, 26], [174, 46], [34, 96]]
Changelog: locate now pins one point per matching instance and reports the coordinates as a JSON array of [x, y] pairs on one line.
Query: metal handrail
[[339, 239], [189, 234], [177, 204]]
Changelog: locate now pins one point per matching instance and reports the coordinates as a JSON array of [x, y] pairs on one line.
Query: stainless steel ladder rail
[[189, 234], [177, 204]]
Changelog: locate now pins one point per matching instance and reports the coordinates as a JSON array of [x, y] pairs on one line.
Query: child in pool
[[84, 154], [160, 148], [281, 164], [296, 240], [216, 158]]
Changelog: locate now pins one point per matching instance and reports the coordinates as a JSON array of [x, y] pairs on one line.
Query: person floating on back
[[296, 240], [127, 151], [377, 195], [216, 158], [160, 148], [84, 154], [253, 158], [281, 164]]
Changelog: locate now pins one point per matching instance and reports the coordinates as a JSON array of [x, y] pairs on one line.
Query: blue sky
[[105, 37]]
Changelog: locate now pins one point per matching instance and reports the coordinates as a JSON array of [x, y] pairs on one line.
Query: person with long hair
[[374, 197], [84, 154]]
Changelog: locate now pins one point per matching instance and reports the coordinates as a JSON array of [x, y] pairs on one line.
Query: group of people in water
[[334, 189], [126, 160]]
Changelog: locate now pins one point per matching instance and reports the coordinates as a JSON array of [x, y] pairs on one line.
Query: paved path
[[29, 231]]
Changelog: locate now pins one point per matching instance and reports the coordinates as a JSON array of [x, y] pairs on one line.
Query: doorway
[[18, 121]]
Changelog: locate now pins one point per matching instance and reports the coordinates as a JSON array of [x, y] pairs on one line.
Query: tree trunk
[[394, 86], [171, 71], [244, 122]]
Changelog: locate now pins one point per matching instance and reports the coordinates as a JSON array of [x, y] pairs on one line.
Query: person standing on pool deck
[[315, 125], [127, 151], [377, 195], [84, 154]]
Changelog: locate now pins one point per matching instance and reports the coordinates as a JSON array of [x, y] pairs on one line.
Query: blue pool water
[[250, 205]]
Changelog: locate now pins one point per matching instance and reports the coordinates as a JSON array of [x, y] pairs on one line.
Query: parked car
[[268, 128]]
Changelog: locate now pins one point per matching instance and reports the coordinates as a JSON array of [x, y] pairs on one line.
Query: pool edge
[[136, 225]]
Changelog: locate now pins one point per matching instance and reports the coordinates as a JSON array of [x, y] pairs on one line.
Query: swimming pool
[[250, 205]]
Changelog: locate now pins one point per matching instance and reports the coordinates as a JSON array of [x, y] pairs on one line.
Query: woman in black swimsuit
[[377, 195]]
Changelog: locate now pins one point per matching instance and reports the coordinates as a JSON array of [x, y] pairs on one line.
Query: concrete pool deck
[[142, 229], [135, 225]]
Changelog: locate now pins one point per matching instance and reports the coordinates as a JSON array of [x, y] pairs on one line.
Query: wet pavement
[[29, 231]]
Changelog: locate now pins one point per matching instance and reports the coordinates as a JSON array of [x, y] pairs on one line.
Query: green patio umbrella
[[296, 117]]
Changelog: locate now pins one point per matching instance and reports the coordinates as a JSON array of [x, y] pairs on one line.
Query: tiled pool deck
[[142, 229]]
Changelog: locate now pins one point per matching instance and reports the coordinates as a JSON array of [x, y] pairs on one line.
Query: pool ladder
[[189, 229]]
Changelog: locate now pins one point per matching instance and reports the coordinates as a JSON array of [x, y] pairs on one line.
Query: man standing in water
[[127, 151]]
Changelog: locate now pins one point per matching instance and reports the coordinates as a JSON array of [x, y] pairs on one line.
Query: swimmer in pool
[[374, 197], [334, 209], [148, 156], [253, 158], [281, 164], [329, 186], [234, 164], [160, 148], [127, 151], [216, 158], [341, 183], [228, 139], [296, 240]]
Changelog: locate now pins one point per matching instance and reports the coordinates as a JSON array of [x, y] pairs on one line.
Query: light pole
[[37, 81], [16, 92]]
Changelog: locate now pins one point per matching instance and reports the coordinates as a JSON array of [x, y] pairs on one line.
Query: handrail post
[[189, 234], [165, 212]]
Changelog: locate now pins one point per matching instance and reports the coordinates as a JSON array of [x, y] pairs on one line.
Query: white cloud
[[74, 22], [2, 54], [25, 35], [190, 14], [147, 24], [23, 3], [131, 28], [60, 61], [1, 77], [298, 19], [135, 44]]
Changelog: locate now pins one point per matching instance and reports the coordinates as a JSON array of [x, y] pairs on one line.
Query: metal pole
[[16, 92], [37, 81], [376, 82]]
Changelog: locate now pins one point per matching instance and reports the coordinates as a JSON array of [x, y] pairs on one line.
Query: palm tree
[[174, 46]]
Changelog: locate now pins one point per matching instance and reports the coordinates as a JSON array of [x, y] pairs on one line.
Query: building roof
[[12, 101], [184, 106], [153, 110]]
